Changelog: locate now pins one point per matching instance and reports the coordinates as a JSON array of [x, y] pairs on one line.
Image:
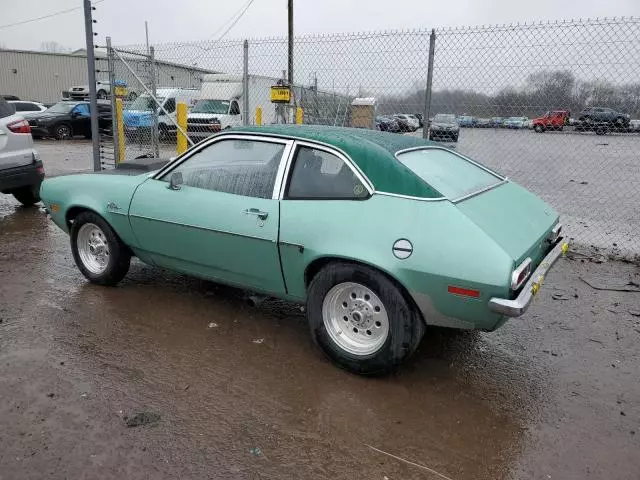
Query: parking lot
[[231, 391]]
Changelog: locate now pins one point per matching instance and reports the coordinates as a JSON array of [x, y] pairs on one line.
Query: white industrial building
[[42, 76]]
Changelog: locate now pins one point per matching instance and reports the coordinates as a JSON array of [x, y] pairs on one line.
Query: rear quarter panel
[[448, 249]]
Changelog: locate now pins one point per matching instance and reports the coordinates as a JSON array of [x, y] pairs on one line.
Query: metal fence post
[[112, 89], [427, 90], [245, 84], [93, 97], [154, 113]]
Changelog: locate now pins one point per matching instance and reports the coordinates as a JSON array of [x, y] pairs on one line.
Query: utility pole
[[290, 57], [91, 71], [146, 34]]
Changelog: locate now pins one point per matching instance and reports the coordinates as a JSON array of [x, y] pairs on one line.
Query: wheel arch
[[72, 213], [317, 264]]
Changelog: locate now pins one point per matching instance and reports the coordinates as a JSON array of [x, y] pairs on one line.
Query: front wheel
[[361, 320], [538, 129], [27, 196], [98, 252]]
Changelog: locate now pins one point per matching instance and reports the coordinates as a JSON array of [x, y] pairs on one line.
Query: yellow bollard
[[299, 115], [181, 117], [120, 127], [258, 116]]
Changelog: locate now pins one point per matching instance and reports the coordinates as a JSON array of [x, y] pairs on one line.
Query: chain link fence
[[555, 106]]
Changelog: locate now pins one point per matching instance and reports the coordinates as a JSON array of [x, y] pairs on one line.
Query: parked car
[[27, 109], [634, 126], [9, 97], [68, 118], [266, 208], [515, 122], [444, 127], [21, 171], [138, 117], [552, 120], [408, 123], [495, 122], [466, 121], [483, 122], [387, 124], [604, 115]]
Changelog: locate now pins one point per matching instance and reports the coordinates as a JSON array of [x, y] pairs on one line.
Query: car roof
[[372, 151]]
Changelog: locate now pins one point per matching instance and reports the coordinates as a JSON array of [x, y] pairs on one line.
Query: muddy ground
[[232, 391]]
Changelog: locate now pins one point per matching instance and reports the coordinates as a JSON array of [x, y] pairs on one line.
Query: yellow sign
[[280, 94], [121, 91]]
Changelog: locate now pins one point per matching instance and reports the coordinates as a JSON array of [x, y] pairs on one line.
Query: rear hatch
[[513, 217]]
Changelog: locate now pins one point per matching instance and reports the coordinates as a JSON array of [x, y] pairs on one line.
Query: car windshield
[[61, 107], [211, 106], [449, 173], [445, 118], [466, 118], [145, 103]]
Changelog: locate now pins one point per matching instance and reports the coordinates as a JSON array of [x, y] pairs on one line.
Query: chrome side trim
[[516, 307], [294, 245], [198, 227], [408, 197], [478, 192], [433, 147]]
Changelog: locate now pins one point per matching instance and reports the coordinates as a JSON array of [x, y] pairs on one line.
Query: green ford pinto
[[379, 234]]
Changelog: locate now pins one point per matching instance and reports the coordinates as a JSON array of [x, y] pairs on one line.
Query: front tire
[[538, 129], [377, 329], [27, 196], [98, 252]]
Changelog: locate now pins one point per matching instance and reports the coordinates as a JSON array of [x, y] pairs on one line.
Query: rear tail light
[[520, 274], [21, 126]]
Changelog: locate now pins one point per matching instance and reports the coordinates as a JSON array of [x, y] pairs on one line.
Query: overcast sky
[[193, 20]]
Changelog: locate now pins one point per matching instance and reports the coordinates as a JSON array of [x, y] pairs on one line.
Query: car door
[[322, 203], [222, 222], [81, 119]]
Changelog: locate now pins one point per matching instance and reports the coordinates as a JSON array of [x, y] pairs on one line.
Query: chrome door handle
[[258, 213]]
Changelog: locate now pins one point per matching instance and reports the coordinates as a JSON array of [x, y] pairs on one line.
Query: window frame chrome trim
[[329, 149], [287, 143]]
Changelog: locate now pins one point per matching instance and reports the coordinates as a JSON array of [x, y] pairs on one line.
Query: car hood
[[515, 218]]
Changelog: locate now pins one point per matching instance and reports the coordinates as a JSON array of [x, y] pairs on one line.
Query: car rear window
[[6, 109], [452, 175]]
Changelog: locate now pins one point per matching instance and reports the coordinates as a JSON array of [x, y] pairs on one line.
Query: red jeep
[[554, 120]]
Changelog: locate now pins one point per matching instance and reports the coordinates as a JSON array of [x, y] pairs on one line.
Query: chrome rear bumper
[[519, 305]]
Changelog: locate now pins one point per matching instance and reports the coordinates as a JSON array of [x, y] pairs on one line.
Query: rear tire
[[98, 251], [27, 196], [382, 328], [63, 131]]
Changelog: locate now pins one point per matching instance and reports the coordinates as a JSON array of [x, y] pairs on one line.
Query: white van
[[138, 115]]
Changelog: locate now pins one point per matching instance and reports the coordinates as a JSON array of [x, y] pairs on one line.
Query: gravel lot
[[224, 390]]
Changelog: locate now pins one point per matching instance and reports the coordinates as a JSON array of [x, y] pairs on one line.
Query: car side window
[[169, 106], [82, 109], [25, 107], [235, 109], [239, 167], [318, 174]]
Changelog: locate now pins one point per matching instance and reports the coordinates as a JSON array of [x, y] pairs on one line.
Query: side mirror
[[175, 181]]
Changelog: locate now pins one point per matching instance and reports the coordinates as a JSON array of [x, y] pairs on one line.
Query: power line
[[54, 14], [244, 10]]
